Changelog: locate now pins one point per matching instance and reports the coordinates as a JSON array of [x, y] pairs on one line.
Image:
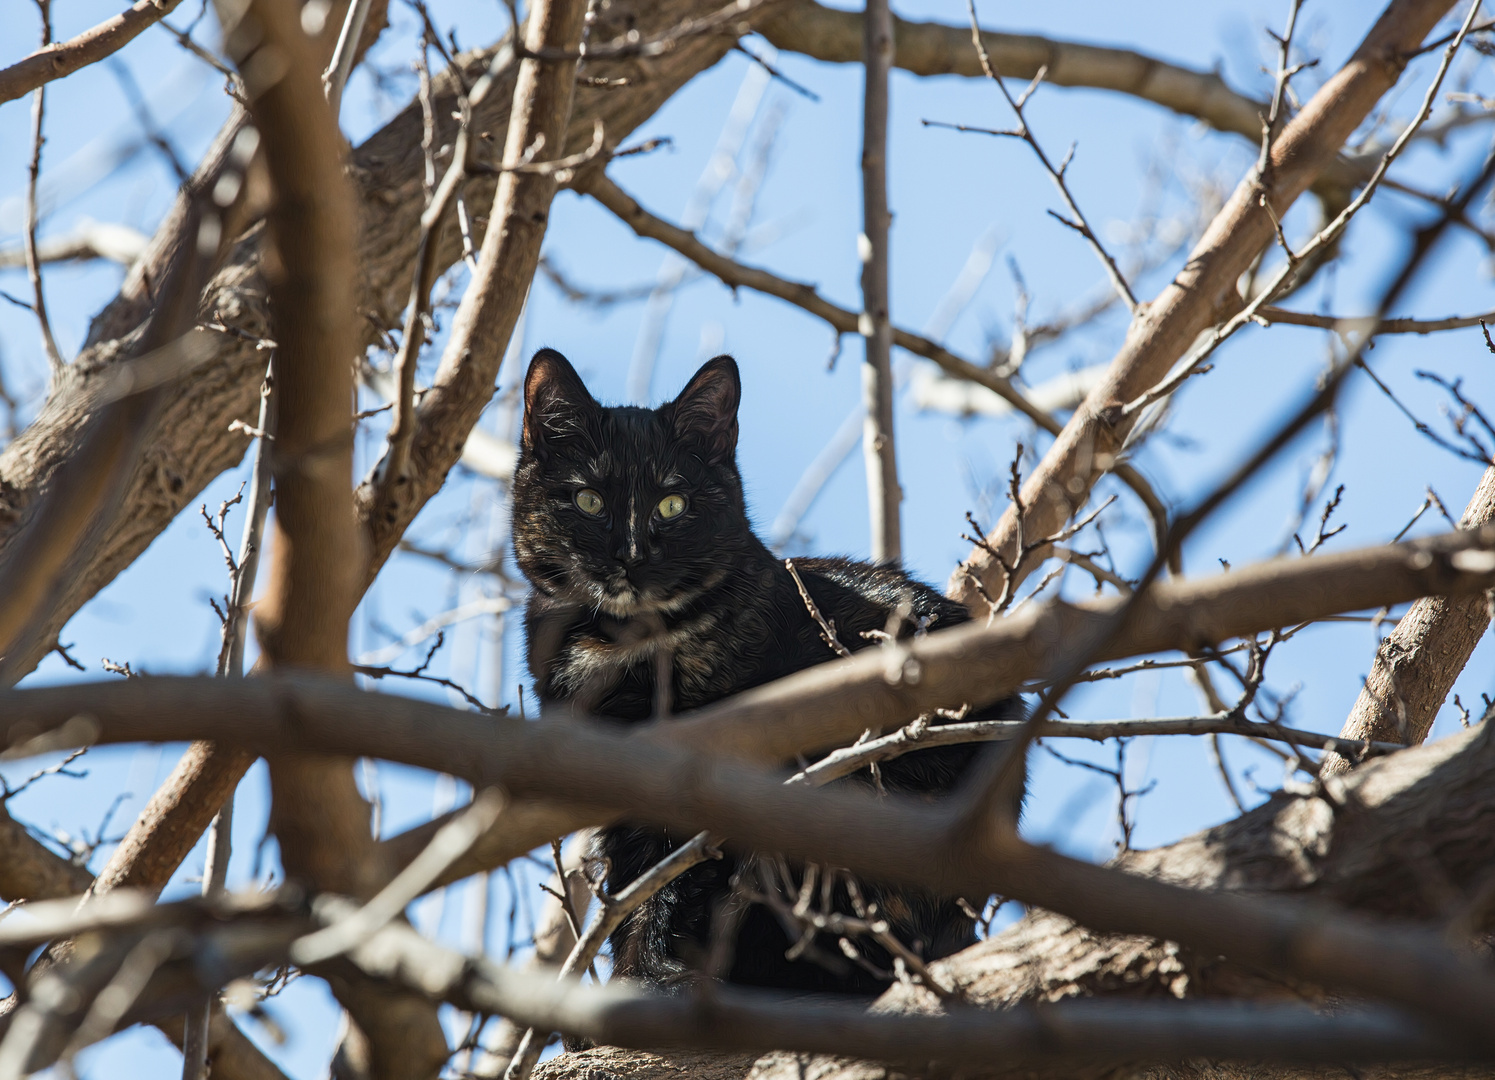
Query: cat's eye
[[671, 506], [589, 502]]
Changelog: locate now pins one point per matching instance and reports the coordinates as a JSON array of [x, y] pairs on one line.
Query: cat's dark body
[[617, 589]]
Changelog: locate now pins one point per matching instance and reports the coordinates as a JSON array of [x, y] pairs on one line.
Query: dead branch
[[55, 60]]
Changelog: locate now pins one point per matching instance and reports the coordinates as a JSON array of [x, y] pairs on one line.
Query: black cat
[[652, 595]]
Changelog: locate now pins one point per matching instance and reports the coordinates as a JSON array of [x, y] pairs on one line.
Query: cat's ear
[[556, 402], [706, 410]]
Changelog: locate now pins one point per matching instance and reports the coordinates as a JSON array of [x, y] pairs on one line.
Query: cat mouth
[[622, 602], [622, 599]]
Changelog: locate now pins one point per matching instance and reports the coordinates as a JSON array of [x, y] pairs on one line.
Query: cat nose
[[632, 556]]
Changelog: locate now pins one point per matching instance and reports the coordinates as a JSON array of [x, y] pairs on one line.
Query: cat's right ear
[[706, 410], [556, 402]]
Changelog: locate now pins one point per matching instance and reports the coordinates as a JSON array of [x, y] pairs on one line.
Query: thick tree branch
[[317, 813], [1394, 824], [234, 938], [1417, 664], [923, 48], [732, 1019], [602, 772], [831, 704], [302, 621], [29, 870]]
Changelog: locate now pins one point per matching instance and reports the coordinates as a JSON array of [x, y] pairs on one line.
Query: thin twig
[[55, 362], [419, 673], [827, 628], [609, 917], [1024, 132], [1331, 232], [451, 842], [921, 734]]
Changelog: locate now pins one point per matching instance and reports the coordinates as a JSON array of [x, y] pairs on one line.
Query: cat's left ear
[[706, 410], [556, 402]]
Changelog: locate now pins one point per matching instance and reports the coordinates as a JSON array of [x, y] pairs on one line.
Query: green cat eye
[[671, 506], [589, 502]]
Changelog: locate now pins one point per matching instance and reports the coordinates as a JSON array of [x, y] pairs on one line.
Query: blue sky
[[948, 190]]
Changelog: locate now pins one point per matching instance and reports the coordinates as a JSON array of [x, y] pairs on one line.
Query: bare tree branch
[[1271, 314], [317, 813], [733, 274], [884, 497], [1395, 824], [1417, 664], [920, 734], [33, 173], [1205, 290], [610, 916], [54, 60], [924, 48], [832, 704], [607, 772], [733, 1019]]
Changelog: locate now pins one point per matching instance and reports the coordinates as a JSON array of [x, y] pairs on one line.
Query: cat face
[[627, 510]]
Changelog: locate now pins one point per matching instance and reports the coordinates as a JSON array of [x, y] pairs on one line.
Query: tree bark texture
[[1407, 836], [1418, 663]]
